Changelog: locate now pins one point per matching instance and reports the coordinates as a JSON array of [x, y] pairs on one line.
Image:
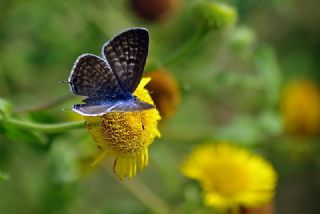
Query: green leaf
[[17, 134], [4, 176], [5, 108]]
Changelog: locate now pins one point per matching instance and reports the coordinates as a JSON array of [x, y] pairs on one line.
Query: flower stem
[[146, 196], [183, 51], [235, 210], [48, 128], [99, 158]]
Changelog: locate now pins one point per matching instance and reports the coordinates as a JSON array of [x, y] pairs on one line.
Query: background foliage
[[230, 80]]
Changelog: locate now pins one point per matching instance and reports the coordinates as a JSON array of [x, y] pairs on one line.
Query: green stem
[[146, 196], [183, 51], [48, 128], [235, 210]]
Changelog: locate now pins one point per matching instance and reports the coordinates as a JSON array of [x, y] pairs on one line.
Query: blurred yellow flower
[[231, 176], [300, 107], [164, 92], [126, 135]]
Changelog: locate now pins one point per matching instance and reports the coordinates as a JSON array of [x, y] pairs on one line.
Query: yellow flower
[[126, 135], [231, 176], [301, 108], [164, 91]]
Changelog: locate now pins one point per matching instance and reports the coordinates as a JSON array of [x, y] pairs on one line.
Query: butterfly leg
[[91, 125], [114, 166], [142, 125]]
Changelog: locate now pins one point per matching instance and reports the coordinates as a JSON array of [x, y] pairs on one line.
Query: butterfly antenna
[[66, 109], [64, 81]]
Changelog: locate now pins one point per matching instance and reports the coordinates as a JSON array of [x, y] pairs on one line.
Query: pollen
[[125, 132]]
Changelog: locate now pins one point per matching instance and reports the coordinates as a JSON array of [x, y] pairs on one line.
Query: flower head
[[165, 92], [126, 135], [231, 176], [301, 108]]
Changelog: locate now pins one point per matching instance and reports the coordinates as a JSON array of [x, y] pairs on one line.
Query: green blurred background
[[230, 82]]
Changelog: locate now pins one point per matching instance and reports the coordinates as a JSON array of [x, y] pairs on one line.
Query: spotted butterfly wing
[[91, 76], [126, 54]]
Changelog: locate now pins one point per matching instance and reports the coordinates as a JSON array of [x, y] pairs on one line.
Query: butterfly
[[108, 83]]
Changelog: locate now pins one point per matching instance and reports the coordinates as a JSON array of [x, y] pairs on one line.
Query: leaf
[[17, 134], [4, 176], [5, 108]]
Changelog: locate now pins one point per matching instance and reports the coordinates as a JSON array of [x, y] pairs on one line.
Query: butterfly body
[[108, 83], [112, 98]]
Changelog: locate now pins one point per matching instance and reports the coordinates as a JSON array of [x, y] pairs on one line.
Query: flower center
[[124, 132], [227, 179]]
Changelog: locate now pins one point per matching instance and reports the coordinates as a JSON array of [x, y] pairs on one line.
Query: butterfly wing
[[126, 54], [91, 76], [120, 106]]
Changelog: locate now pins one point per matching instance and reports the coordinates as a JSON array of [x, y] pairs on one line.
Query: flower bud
[[242, 39], [300, 105], [164, 92], [154, 10], [213, 15]]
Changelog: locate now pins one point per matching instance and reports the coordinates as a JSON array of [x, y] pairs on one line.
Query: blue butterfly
[[108, 82]]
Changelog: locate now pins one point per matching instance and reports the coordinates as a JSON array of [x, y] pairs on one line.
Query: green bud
[[242, 39], [214, 16]]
